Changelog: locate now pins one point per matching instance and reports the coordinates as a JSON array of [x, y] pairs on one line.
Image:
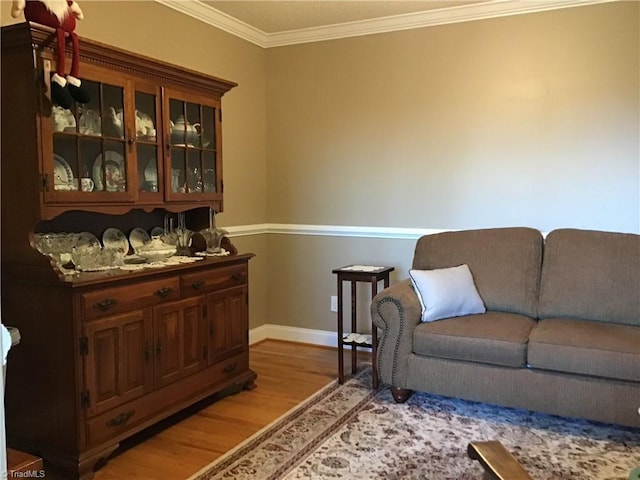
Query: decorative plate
[[114, 176], [138, 238], [87, 240], [62, 173], [115, 239]]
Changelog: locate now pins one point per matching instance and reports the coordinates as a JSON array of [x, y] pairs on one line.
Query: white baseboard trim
[[296, 334], [293, 334]]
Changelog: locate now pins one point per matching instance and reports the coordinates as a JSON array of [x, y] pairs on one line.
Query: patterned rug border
[[226, 459]]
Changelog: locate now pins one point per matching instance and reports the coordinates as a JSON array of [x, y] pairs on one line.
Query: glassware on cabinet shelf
[[177, 181], [194, 180], [57, 246], [184, 236], [213, 235]]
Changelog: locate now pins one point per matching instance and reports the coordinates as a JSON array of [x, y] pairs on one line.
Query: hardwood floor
[[287, 374]]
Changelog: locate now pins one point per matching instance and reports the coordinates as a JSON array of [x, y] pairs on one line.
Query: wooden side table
[[355, 274]]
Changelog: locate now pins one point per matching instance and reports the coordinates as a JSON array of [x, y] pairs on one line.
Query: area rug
[[351, 432]]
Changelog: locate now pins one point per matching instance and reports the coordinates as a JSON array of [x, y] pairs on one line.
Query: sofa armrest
[[396, 311]]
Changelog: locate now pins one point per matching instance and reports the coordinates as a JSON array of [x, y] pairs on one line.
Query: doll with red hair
[[60, 15]]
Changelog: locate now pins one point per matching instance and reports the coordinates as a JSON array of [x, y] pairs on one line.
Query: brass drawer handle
[[230, 368], [105, 304], [163, 292], [197, 285], [121, 419]]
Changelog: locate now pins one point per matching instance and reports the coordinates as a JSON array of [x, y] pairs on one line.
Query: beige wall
[[525, 120], [529, 119]]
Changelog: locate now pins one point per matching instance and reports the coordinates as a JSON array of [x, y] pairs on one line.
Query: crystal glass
[[213, 235], [58, 246]]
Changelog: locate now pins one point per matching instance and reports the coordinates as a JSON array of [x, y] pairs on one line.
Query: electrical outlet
[[334, 303]]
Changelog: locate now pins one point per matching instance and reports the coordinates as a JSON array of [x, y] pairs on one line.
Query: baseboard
[[293, 334]]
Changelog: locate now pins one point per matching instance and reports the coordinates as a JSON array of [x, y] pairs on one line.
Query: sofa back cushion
[[505, 263], [591, 275]]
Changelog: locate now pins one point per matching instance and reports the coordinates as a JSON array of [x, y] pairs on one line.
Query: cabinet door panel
[[117, 364], [228, 323], [90, 142], [192, 340], [217, 312], [179, 339], [192, 133], [238, 322]]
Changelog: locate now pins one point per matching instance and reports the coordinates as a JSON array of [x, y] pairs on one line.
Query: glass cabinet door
[[193, 146], [147, 109], [90, 148]]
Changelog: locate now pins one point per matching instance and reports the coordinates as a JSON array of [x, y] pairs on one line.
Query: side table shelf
[[355, 274]]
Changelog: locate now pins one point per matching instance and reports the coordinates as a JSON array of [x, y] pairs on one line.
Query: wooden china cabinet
[[106, 354]]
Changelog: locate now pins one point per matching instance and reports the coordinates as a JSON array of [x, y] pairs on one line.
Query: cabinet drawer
[[121, 299], [215, 279]]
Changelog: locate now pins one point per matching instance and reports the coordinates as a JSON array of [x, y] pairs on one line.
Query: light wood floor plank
[[287, 374]]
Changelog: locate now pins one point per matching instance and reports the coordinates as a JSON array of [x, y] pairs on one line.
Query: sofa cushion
[[446, 292], [505, 263], [591, 275], [586, 347], [497, 338]]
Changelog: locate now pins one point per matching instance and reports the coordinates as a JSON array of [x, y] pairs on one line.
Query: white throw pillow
[[446, 292]]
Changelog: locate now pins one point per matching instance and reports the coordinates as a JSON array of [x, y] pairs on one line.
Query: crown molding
[[441, 16], [216, 18]]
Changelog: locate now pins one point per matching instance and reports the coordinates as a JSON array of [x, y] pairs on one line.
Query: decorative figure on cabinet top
[[61, 15]]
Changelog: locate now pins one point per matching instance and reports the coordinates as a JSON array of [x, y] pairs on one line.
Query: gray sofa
[[560, 335]]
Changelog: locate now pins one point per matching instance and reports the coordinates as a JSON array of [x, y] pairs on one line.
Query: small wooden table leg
[[354, 328], [340, 335], [374, 341]]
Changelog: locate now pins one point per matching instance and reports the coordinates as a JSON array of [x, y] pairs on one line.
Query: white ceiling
[[272, 23]]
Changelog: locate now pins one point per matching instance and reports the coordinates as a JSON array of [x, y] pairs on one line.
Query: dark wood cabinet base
[[83, 467]]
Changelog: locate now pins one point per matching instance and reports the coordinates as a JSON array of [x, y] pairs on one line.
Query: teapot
[[144, 123], [184, 132]]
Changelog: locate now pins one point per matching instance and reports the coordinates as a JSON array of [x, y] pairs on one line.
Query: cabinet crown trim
[[92, 52]]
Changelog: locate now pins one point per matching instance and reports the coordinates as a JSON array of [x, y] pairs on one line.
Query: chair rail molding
[[400, 233]]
